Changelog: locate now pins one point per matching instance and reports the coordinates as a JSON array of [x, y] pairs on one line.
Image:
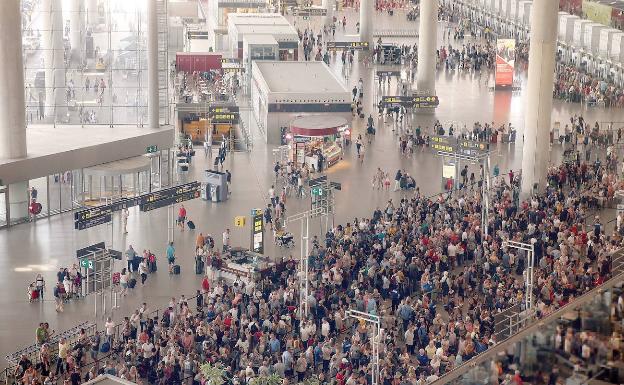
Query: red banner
[[505, 58]]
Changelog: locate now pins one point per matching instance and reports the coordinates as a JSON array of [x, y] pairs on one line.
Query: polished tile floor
[[47, 244]]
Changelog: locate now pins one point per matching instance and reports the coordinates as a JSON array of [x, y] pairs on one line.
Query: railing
[[32, 351], [532, 327], [7, 375]]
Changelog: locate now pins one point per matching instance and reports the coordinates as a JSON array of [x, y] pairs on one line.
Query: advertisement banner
[[598, 13], [505, 58]]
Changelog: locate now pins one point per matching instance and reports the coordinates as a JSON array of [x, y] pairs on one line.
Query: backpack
[[105, 348]]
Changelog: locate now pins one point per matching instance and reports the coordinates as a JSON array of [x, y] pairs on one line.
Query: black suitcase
[[176, 269], [131, 283], [191, 225]]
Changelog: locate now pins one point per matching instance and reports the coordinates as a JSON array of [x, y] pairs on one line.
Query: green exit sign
[[151, 149], [86, 264], [318, 191]]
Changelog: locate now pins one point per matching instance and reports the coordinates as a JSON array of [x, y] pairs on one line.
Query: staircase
[[163, 62]]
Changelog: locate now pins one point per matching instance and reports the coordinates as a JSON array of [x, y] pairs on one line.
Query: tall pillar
[[18, 201], [152, 64], [427, 43], [367, 7], [330, 6], [77, 29], [543, 44], [53, 59], [12, 105], [92, 12]]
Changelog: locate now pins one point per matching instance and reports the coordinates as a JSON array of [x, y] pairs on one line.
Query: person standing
[[143, 270], [40, 285], [124, 219], [226, 240], [228, 180], [272, 195], [181, 217], [130, 256], [110, 330], [170, 256]]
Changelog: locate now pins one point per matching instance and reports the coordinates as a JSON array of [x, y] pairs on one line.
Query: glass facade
[[74, 189], [580, 345], [85, 61]]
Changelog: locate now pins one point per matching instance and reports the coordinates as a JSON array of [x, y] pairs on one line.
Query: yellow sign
[[239, 221], [599, 13]]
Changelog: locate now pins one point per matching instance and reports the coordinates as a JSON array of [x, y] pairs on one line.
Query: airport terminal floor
[[46, 245]]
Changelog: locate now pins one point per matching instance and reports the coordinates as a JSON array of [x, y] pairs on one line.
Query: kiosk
[[311, 136], [285, 90], [214, 187]]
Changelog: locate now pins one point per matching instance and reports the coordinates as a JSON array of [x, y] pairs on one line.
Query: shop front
[[317, 140]]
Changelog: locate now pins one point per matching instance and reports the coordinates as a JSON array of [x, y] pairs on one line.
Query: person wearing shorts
[[181, 217]]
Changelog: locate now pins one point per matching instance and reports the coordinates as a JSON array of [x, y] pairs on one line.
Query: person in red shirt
[[206, 284], [181, 217]]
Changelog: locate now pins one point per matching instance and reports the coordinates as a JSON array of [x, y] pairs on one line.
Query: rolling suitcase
[[131, 283], [191, 225], [176, 269]]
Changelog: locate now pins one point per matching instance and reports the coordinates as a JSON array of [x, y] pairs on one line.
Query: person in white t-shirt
[[110, 329], [148, 348]]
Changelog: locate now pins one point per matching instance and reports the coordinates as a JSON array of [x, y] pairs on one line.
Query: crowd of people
[[423, 265]]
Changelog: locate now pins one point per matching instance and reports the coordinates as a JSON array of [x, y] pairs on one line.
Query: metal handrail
[[535, 326]]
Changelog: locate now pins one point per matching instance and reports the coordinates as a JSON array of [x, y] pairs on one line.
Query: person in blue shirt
[[170, 256], [274, 344], [422, 358]]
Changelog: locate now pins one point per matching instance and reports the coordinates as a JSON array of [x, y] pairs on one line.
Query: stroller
[[284, 239]]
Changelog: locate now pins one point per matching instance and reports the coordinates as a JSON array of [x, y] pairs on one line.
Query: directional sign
[[151, 149], [471, 148], [89, 249], [169, 192], [410, 101], [317, 191], [222, 108], [397, 101], [316, 181], [356, 45], [442, 143], [87, 264], [230, 60], [460, 147], [426, 101], [95, 221], [225, 117], [382, 73], [170, 200], [306, 12], [92, 212]]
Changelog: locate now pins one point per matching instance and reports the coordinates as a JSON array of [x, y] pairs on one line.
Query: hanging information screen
[[257, 231]]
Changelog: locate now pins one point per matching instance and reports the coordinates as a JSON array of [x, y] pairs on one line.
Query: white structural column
[[367, 8], [330, 6], [12, 106], [53, 59], [152, 65], [427, 43], [77, 28], [92, 11], [543, 44]]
